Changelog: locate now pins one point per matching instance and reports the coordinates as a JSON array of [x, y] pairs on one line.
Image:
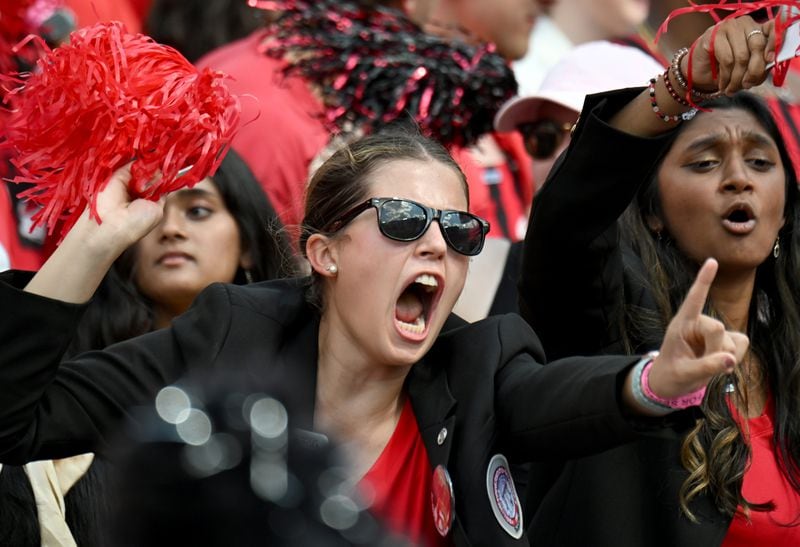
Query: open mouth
[[739, 219], [416, 303]]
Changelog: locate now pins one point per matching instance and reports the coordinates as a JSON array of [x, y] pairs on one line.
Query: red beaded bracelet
[[671, 90]]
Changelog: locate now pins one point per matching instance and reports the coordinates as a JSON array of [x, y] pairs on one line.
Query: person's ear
[[655, 224], [419, 11], [322, 255], [246, 260]]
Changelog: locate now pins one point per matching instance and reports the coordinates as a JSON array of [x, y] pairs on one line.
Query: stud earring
[[332, 269], [776, 250]]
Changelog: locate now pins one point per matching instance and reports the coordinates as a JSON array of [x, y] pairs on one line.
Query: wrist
[[695, 398], [650, 405], [679, 69]]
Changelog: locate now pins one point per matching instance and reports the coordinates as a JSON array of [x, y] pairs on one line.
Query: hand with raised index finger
[[696, 347]]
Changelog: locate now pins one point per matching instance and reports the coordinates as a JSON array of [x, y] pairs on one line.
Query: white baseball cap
[[588, 68]]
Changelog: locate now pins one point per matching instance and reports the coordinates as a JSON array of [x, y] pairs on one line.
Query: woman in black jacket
[[719, 185], [422, 405], [222, 230]]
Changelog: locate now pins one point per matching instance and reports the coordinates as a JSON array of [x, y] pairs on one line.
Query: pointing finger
[[695, 300]]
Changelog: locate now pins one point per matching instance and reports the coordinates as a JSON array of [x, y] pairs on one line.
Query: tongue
[[409, 307]]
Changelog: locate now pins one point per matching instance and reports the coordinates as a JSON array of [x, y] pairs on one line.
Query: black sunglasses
[[543, 137], [406, 220]]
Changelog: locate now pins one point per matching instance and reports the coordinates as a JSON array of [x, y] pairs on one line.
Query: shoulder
[[498, 337], [236, 55], [221, 305], [278, 299]]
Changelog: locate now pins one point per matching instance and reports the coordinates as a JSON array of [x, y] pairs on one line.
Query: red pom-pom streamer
[[782, 18], [104, 99]]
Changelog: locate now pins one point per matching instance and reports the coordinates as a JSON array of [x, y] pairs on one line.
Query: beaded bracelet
[[638, 394], [675, 65], [666, 117], [671, 90], [685, 116]]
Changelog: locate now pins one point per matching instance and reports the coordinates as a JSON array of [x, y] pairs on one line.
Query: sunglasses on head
[[543, 137], [406, 220]]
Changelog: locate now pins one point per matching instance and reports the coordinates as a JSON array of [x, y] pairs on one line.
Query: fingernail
[[770, 56]]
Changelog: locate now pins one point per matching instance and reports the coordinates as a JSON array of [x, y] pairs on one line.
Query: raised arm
[[573, 270], [76, 268]]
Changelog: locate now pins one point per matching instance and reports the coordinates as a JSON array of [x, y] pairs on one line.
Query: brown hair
[[341, 182]]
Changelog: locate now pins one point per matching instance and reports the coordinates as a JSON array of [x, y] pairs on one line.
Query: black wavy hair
[[715, 452]]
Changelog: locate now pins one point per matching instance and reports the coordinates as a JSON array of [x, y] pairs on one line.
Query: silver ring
[[753, 33]]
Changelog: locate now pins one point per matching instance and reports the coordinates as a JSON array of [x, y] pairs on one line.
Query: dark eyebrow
[[710, 141], [190, 193]]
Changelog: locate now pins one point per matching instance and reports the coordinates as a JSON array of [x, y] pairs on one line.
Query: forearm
[[74, 271], [638, 117]]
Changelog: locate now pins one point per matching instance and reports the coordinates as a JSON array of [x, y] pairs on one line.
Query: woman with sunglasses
[[632, 210], [423, 402]]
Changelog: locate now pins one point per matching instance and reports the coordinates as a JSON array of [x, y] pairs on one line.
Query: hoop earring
[[332, 269], [248, 276], [776, 250]]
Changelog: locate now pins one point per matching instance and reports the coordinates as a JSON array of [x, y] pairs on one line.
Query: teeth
[[428, 281], [417, 327]]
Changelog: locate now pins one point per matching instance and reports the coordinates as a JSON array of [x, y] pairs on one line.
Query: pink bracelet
[[678, 403]]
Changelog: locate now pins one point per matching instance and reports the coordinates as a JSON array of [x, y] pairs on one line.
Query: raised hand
[[695, 347], [80, 262], [741, 49], [124, 221]]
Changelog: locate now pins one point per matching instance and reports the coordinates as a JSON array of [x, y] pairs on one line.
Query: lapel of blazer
[[434, 407]]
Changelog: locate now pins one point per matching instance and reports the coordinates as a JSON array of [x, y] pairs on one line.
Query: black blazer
[[482, 382], [575, 282]]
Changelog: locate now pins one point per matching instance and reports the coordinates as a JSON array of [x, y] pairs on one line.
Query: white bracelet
[[638, 393]]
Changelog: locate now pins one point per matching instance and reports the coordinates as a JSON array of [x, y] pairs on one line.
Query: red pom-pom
[[104, 99]]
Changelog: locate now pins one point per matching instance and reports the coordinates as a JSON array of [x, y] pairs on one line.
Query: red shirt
[[89, 12], [399, 483], [502, 194], [281, 131], [763, 482]]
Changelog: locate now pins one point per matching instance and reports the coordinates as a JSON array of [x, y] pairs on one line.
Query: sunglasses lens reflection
[[404, 220]]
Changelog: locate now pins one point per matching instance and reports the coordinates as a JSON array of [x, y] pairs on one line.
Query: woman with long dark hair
[[643, 196]]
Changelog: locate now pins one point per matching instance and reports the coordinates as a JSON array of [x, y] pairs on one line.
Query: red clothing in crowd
[[399, 484], [282, 134], [89, 12], [18, 248], [501, 194], [763, 482], [141, 8]]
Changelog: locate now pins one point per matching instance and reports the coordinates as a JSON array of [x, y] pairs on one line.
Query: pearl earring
[[332, 269]]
